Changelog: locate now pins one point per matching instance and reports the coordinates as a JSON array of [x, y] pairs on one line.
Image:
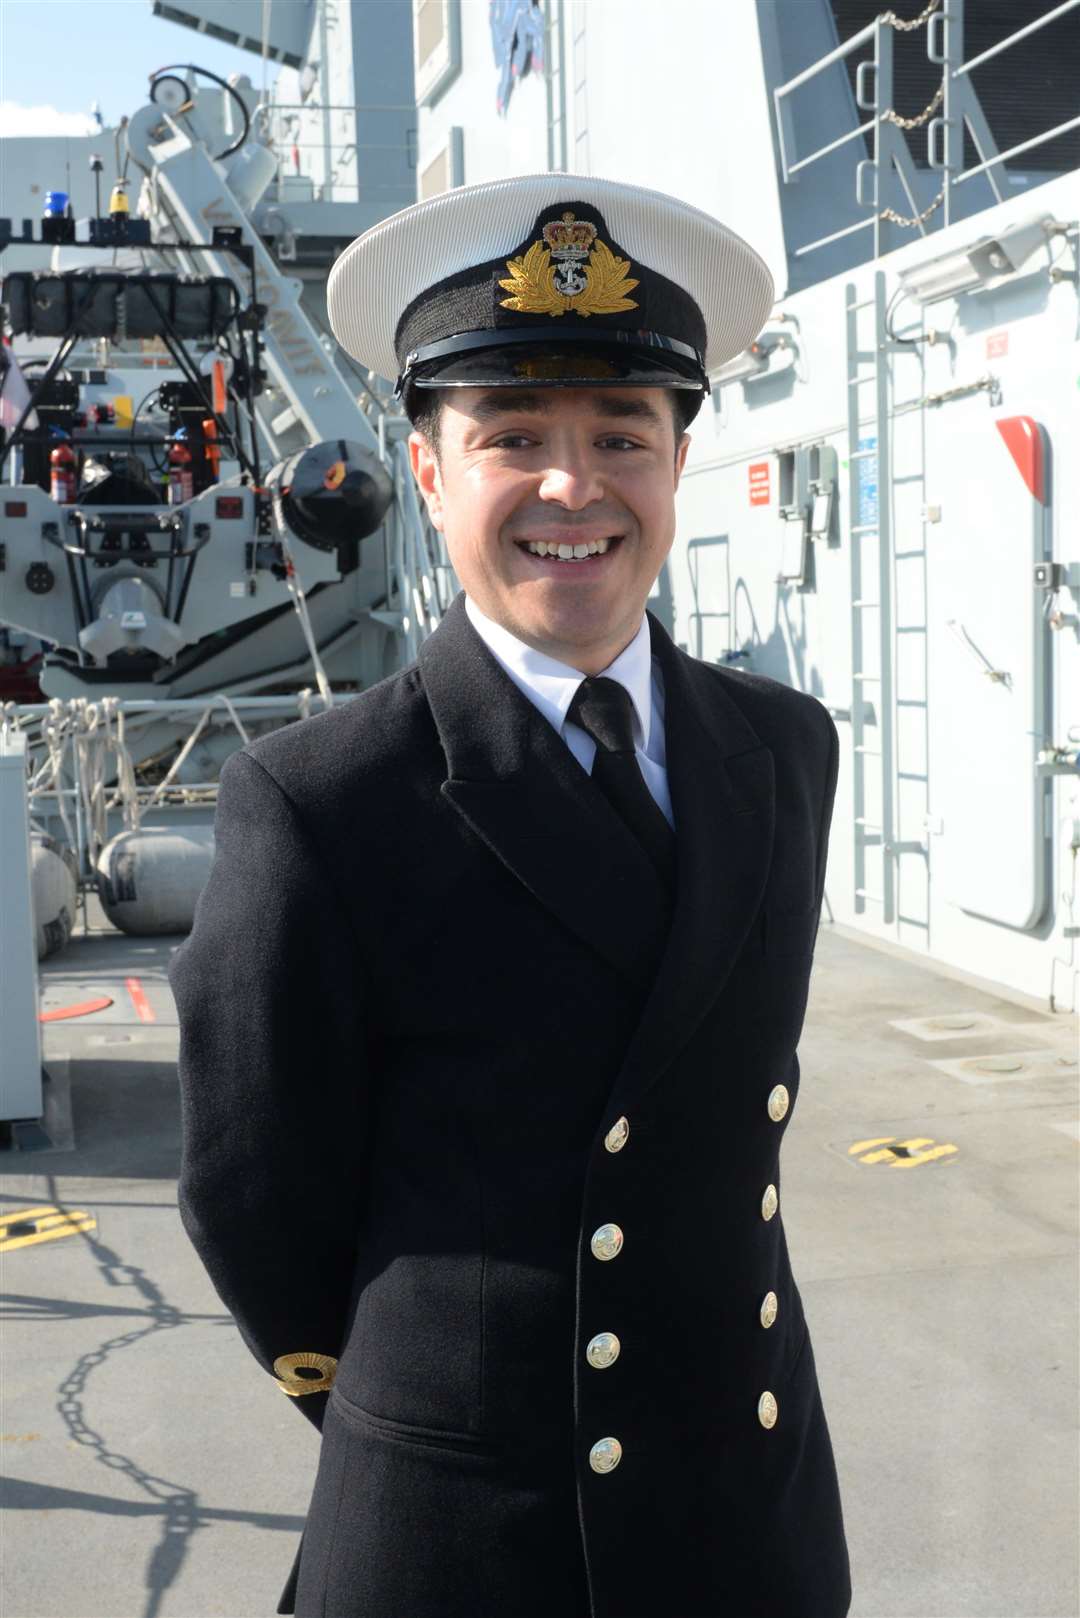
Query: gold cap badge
[[569, 270]]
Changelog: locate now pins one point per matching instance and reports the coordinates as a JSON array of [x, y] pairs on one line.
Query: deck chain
[[905, 26], [909, 223], [891, 117]]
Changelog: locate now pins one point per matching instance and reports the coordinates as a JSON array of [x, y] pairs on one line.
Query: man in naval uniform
[[490, 1010]]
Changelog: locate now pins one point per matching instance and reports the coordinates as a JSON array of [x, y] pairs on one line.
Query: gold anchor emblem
[[569, 270]]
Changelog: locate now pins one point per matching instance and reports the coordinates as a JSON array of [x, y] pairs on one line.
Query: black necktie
[[603, 708]]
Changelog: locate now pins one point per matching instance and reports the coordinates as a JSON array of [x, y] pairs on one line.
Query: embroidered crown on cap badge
[[586, 276]]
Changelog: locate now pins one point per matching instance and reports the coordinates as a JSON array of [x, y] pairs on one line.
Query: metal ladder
[[870, 365]]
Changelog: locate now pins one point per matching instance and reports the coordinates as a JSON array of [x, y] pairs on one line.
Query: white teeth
[[568, 553]]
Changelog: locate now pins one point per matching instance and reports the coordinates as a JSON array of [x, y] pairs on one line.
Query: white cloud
[[15, 119]]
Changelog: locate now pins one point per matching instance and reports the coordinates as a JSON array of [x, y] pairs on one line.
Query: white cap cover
[[685, 275]]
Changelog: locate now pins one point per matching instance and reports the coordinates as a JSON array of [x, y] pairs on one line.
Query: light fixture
[[751, 362], [985, 262], [771, 352]]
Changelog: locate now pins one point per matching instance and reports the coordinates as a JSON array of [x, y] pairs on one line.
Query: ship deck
[[153, 1469]]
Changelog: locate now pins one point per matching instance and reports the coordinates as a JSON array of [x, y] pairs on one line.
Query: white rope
[[296, 590], [204, 718]]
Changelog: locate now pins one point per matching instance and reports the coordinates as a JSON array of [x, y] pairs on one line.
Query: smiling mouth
[[563, 551]]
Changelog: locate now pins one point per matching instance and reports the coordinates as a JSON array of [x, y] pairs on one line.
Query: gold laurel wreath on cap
[[287, 1365], [532, 283]]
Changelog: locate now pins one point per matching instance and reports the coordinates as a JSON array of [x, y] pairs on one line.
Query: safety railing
[[325, 145], [945, 135], [421, 583], [944, 21], [82, 755]]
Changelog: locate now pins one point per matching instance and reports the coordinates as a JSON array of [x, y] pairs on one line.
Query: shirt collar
[[551, 685]]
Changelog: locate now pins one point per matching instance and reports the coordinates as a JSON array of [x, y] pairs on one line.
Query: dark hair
[[423, 406]]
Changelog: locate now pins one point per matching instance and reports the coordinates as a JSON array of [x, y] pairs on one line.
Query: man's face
[[594, 467]]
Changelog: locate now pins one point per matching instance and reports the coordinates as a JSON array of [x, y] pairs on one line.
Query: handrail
[[1014, 151], [823, 151], [836, 55], [804, 77], [945, 134], [1021, 33]]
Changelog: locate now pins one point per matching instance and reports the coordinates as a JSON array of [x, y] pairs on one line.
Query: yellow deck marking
[[51, 1224], [890, 1149], [924, 1157], [24, 1214]]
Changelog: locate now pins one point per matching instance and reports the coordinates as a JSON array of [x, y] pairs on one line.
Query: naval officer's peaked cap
[[558, 280]]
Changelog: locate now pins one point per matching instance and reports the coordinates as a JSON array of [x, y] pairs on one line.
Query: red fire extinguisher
[[181, 483], [211, 448], [62, 470]]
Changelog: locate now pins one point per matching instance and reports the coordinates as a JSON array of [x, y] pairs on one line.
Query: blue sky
[[58, 56]]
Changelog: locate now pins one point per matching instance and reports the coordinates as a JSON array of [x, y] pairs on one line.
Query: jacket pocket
[[405, 1432]]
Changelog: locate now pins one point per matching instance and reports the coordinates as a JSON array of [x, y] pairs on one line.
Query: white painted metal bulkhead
[[968, 828]]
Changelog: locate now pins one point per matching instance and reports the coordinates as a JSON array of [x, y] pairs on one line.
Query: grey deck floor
[[151, 1468]]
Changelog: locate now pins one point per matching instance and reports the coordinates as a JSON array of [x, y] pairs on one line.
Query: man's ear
[[425, 469], [680, 456]]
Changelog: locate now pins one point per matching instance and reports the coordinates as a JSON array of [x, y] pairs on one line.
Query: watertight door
[[989, 660]]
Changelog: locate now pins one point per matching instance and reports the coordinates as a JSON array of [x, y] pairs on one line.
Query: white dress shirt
[[550, 687]]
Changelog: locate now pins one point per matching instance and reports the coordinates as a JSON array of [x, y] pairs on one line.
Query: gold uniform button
[[305, 1372], [769, 1306], [603, 1350], [617, 1135], [605, 1455], [606, 1242], [769, 1202], [766, 1409], [778, 1102]]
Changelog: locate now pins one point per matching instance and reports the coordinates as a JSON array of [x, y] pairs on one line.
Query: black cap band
[[666, 361]]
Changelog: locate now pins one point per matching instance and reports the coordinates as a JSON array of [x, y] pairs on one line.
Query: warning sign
[[759, 483], [997, 345]]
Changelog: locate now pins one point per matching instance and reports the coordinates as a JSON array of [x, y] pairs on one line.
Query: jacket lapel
[[721, 778], [516, 783]]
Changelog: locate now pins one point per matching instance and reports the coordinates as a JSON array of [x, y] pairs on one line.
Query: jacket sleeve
[[273, 1070], [832, 769]]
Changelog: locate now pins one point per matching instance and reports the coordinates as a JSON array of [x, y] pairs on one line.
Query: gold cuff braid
[[286, 1367]]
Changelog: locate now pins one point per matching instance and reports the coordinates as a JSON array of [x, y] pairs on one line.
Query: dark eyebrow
[[505, 401]]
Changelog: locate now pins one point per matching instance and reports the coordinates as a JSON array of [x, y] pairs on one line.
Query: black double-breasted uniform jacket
[[468, 1109]]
